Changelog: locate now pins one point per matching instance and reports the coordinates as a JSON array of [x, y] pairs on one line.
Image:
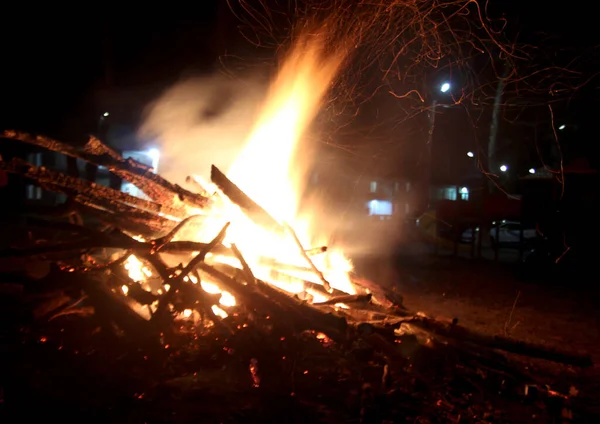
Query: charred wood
[[98, 154]]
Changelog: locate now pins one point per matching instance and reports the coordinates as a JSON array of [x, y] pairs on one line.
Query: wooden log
[[254, 211], [265, 298], [284, 277], [175, 282], [350, 298], [463, 334], [71, 186], [98, 154], [114, 308], [316, 250]]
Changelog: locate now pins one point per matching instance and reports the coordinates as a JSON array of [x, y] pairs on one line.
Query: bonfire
[[229, 263]]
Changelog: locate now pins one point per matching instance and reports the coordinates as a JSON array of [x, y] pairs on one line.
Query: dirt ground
[[487, 297]]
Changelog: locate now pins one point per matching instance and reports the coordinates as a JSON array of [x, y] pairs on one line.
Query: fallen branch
[[72, 186], [463, 334], [98, 154]]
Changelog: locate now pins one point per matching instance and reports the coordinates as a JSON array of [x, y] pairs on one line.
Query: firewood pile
[[160, 317]]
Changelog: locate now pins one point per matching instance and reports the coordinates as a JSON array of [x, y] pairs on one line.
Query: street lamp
[[444, 88], [471, 154], [503, 168], [532, 170], [101, 122], [562, 127]]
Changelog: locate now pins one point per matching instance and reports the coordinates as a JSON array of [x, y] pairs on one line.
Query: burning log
[[112, 308], [267, 298], [250, 278], [176, 281], [249, 206], [282, 276], [316, 251], [352, 298]]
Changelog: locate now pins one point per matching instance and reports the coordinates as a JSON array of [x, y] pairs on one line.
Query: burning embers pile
[[222, 255], [228, 247], [227, 252], [249, 249]]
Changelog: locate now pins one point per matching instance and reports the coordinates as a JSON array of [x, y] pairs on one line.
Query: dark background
[[59, 61]]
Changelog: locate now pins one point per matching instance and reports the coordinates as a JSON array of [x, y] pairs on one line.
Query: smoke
[[202, 121]]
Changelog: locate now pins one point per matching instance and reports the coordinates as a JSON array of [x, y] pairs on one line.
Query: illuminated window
[[464, 193], [449, 193], [373, 186], [380, 207]]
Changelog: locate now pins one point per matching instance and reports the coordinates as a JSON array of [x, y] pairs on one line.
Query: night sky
[[55, 61]]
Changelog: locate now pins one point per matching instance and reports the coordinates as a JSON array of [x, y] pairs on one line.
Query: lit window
[[464, 193], [373, 186], [449, 193], [380, 207]]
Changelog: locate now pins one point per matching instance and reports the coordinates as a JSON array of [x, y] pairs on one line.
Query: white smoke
[[202, 121]]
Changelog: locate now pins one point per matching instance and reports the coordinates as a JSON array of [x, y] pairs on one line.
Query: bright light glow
[[470, 154], [532, 170], [504, 168], [380, 207], [562, 127], [464, 190], [445, 87], [105, 114], [155, 155]]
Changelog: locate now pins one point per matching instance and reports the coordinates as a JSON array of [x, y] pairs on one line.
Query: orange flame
[[269, 169]]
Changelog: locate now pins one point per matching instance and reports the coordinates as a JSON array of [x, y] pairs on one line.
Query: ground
[[486, 296], [483, 295]]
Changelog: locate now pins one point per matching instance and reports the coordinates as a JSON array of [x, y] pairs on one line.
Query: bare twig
[[248, 274], [508, 321], [307, 258]]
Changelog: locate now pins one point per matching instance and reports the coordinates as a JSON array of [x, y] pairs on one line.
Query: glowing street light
[[471, 154], [105, 114], [445, 87], [532, 170], [503, 168], [562, 127]]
